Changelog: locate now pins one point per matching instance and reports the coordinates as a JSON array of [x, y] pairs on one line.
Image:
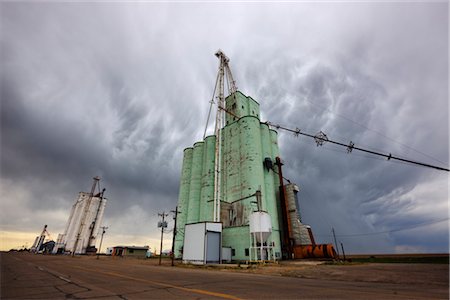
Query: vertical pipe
[[311, 237], [286, 219], [220, 122]]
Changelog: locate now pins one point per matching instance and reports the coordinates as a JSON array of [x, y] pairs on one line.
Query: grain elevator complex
[[233, 204], [84, 222]]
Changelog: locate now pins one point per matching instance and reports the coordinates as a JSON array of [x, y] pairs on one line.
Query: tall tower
[[234, 177], [246, 147]]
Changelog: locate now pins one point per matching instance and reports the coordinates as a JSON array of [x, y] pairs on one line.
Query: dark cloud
[[119, 90]]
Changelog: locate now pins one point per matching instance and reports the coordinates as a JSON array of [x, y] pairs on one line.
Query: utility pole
[[335, 243], [343, 252], [162, 224], [101, 240], [286, 220], [176, 212]]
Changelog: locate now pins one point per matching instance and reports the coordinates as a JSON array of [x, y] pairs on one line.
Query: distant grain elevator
[[85, 219]]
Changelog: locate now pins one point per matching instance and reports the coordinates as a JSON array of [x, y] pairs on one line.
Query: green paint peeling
[[246, 142]]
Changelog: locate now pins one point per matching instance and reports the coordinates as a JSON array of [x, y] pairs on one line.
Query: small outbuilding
[[130, 251]]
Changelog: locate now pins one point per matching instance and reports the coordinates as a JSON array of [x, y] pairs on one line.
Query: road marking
[[65, 279], [53, 273], [198, 291]]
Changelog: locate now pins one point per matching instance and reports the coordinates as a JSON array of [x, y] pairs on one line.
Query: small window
[[130, 251], [233, 252], [247, 252], [233, 106], [242, 106]]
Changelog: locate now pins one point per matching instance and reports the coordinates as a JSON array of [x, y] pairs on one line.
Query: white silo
[[84, 222], [260, 230]]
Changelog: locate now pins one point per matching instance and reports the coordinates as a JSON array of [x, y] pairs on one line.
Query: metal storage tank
[[271, 184], [299, 231], [260, 225], [231, 180], [207, 181], [183, 198], [245, 143], [193, 210]]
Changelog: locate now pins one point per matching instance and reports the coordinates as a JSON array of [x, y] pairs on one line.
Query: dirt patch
[[428, 274], [399, 273]]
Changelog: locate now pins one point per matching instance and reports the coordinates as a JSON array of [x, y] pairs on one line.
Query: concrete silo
[[85, 219], [232, 181], [246, 143]]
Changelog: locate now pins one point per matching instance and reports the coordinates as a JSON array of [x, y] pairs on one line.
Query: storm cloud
[[118, 90]]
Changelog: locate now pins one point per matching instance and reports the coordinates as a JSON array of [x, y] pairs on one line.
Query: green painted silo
[[245, 143], [231, 181], [251, 161], [271, 185], [195, 186], [207, 180], [183, 197]]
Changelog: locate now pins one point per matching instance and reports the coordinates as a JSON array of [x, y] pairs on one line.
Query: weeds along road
[[28, 276]]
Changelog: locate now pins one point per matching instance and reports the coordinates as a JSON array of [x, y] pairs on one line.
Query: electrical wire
[[321, 138], [367, 128], [375, 131]]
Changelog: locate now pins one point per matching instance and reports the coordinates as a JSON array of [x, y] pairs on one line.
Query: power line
[[321, 138], [375, 131], [162, 224]]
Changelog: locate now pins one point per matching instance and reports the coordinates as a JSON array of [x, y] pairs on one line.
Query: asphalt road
[[27, 276]]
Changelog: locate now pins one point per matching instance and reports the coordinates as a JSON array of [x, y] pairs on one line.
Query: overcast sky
[[118, 90]]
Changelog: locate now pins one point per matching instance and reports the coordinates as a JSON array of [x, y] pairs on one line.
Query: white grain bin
[[260, 226]]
